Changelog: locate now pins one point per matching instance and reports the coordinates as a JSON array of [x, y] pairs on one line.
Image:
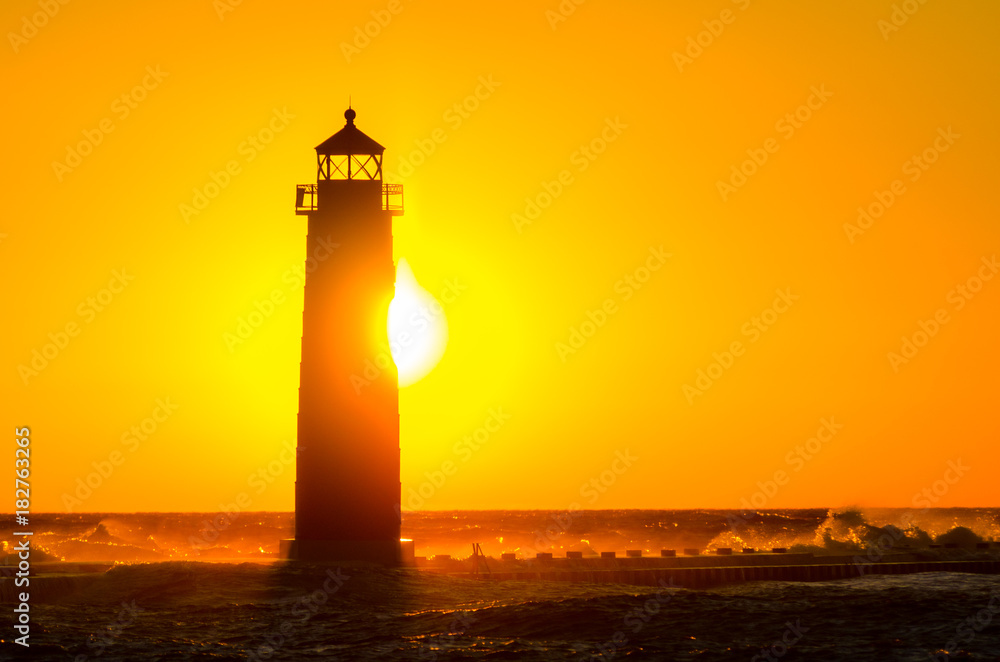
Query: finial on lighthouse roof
[[349, 115]]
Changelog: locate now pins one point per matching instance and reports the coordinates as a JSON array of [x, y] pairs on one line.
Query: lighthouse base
[[387, 553]]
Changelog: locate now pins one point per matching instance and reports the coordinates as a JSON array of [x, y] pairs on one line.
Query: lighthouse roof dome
[[349, 140]]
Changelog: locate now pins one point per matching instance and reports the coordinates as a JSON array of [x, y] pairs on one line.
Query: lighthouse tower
[[347, 483]]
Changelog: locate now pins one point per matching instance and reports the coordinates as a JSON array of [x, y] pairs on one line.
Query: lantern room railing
[[392, 199], [307, 199]]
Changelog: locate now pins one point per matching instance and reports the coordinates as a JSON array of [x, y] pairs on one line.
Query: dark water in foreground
[[197, 611], [191, 609]]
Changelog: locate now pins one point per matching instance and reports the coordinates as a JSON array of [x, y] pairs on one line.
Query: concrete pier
[[705, 571]]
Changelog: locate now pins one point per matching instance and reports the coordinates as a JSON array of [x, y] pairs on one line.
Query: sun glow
[[418, 330]]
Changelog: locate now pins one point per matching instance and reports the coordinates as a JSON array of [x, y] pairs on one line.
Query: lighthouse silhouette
[[347, 461]]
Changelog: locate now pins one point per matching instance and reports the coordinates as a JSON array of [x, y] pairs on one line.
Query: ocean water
[[183, 587]]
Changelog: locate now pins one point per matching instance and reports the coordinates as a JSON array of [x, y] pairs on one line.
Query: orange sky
[[626, 124]]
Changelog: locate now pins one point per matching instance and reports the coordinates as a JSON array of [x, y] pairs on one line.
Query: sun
[[418, 329]]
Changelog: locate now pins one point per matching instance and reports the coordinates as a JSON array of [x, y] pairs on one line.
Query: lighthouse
[[347, 505]]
